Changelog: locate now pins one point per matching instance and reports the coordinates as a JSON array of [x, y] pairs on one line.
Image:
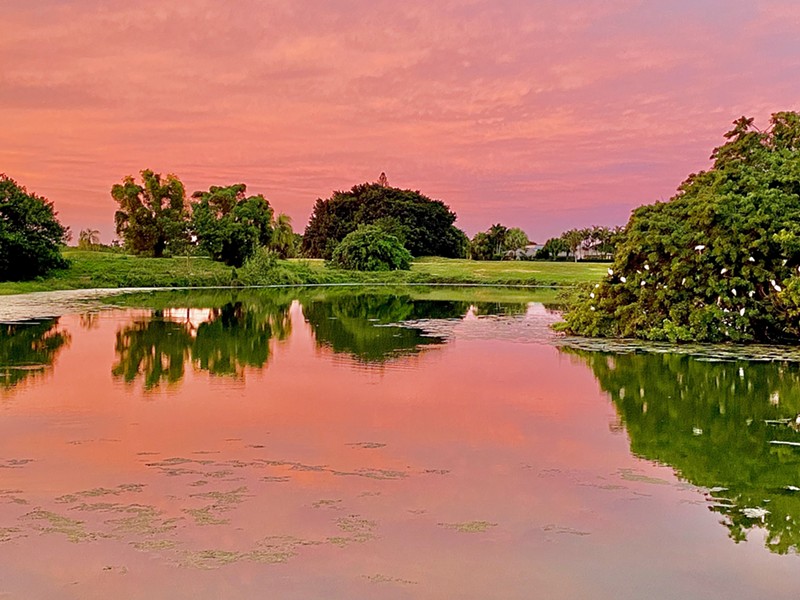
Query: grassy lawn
[[108, 270]]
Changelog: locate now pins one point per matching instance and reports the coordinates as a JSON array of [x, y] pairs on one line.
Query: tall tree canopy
[[153, 217], [424, 226], [720, 260], [30, 234], [229, 224]]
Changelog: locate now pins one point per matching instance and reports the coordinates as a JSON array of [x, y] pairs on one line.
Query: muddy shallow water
[[356, 445]]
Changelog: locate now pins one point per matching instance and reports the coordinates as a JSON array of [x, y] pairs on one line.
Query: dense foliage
[[30, 234], [423, 225], [152, 218], [495, 242], [229, 224], [370, 248], [720, 260]]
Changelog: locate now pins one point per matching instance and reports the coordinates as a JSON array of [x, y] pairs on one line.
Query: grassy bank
[[107, 270]]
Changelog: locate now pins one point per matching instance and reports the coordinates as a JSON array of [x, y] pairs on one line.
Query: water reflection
[[359, 325], [726, 426], [221, 340], [28, 349]]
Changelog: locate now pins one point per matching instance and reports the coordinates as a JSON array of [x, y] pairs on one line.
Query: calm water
[[347, 445]]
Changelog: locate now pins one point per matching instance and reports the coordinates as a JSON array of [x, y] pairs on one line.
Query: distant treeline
[[372, 226]]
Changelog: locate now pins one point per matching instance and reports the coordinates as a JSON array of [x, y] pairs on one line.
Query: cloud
[[506, 110]]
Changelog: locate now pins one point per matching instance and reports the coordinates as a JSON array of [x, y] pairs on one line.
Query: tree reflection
[[238, 336], [28, 349], [359, 324], [224, 341], [715, 424]]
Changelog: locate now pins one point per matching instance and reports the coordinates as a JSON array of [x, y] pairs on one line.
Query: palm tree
[[88, 239], [283, 236]]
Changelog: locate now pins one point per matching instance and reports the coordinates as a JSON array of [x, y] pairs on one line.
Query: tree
[[370, 248], [515, 239], [496, 241], [152, 218], [552, 248], [283, 237], [229, 224], [574, 239], [88, 239], [30, 234], [719, 261], [425, 225]]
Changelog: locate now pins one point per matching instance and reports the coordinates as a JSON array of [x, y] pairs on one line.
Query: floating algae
[[11, 496], [469, 526], [142, 520], [564, 530], [101, 491], [204, 516], [360, 530], [327, 504], [380, 578], [73, 529], [366, 445], [277, 549], [210, 559], [10, 533], [631, 475]]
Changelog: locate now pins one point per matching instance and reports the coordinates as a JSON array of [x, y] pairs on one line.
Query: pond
[[383, 444]]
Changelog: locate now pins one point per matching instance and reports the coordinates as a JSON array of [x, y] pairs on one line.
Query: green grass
[[108, 270]]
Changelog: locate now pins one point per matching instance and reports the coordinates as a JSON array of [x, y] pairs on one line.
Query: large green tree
[[720, 260], [424, 226], [153, 216], [229, 224], [30, 234]]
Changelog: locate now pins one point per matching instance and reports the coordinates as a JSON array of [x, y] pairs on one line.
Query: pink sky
[[536, 114]]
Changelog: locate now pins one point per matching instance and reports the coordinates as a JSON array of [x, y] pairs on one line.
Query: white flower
[[723, 271], [591, 308], [700, 247], [646, 267], [644, 283], [591, 295], [733, 291], [610, 271], [683, 281], [777, 288], [622, 279], [751, 259], [751, 293], [741, 311]]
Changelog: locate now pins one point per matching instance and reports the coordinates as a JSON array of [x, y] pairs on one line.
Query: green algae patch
[[142, 520], [100, 491], [469, 526], [205, 516], [278, 549], [564, 530], [210, 559], [50, 522], [631, 475], [10, 533], [381, 578]]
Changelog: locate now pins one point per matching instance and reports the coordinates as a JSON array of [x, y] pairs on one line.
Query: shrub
[[370, 248]]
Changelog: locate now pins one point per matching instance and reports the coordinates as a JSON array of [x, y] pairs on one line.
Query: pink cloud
[[524, 113]]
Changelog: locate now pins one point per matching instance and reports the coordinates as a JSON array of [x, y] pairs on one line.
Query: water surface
[[350, 444]]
